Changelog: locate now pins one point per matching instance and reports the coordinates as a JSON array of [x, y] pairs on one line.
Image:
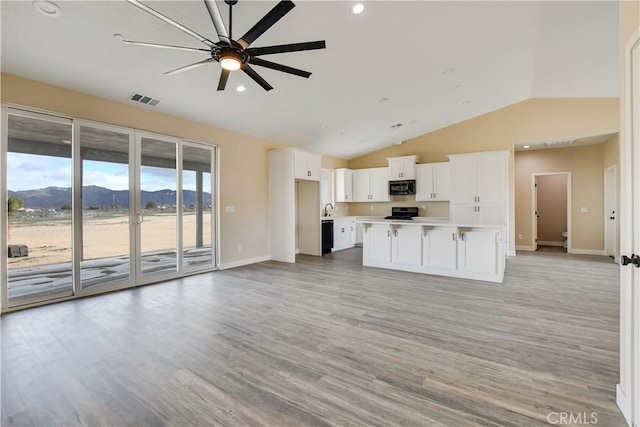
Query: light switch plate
[[584, 209], [229, 209]]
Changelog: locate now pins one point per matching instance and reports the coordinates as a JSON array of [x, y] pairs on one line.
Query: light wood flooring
[[323, 342]]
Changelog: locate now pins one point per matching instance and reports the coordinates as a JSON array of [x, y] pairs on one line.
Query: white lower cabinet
[[406, 245], [478, 251], [377, 244], [455, 251], [344, 233], [439, 248]]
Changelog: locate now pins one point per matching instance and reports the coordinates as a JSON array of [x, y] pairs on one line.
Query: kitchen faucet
[[325, 208]]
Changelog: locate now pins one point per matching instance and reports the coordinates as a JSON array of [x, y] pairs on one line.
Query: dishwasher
[[327, 236]]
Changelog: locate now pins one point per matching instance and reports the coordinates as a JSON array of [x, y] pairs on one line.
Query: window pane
[[39, 171]]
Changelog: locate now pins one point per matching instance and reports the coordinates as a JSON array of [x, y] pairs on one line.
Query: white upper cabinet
[[379, 185], [401, 168], [479, 187], [306, 165], [371, 185], [479, 177], [344, 185], [432, 182]]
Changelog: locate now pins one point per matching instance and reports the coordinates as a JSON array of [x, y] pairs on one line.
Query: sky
[[32, 172]]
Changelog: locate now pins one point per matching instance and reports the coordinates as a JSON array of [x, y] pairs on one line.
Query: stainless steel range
[[402, 213]]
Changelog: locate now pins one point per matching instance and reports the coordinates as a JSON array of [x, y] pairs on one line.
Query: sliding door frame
[[134, 181]]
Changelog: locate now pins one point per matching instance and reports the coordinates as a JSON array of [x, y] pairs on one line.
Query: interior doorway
[[552, 211]]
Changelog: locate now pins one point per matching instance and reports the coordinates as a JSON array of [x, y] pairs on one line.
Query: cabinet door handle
[[478, 198], [462, 236], [453, 236], [395, 233], [388, 233], [343, 229]]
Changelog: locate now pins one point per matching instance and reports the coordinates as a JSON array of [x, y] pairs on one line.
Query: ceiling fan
[[235, 54]]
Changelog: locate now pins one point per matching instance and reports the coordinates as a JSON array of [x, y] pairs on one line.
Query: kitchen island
[[437, 247]]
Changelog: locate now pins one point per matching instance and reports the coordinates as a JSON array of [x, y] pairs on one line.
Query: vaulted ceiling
[[421, 64]]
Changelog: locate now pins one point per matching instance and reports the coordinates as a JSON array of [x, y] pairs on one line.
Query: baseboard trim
[[241, 262], [525, 248], [624, 404], [549, 243], [587, 252]]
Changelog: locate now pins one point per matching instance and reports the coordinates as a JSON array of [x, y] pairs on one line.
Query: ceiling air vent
[[142, 99], [560, 143]]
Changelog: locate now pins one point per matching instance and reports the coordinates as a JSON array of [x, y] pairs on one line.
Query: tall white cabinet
[[480, 189], [294, 196]]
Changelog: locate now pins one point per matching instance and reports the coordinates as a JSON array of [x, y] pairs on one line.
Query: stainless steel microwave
[[402, 188]]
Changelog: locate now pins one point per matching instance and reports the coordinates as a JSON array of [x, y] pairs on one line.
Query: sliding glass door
[[38, 220], [158, 207], [94, 207], [105, 169], [197, 201]]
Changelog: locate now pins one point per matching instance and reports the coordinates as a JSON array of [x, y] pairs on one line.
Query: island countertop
[[426, 222]]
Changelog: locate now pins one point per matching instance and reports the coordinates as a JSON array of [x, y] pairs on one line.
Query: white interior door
[[628, 390], [610, 218], [534, 206]]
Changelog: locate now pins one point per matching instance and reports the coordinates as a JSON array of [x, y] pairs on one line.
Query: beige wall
[[586, 166], [551, 207], [527, 121], [243, 159]]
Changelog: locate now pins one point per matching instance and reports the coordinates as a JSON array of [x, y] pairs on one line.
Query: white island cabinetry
[[442, 248]]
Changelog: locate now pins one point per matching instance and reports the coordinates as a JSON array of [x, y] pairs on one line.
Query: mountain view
[[56, 197]]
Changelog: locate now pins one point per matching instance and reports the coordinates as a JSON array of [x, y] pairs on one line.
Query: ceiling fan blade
[[216, 18], [166, 46], [280, 67], [171, 22], [188, 67], [224, 76], [266, 22], [256, 77], [284, 48]]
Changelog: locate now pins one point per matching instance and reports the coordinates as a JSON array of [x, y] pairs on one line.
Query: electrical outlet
[[423, 207], [519, 236], [584, 209], [371, 207]]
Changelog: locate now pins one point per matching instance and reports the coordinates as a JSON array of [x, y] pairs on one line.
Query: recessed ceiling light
[[241, 88], [526, 146], [466, 102], [323, 127], [357, 8], [449, 70], [396, 126], [458, 86], [47, 8], [383, 100]]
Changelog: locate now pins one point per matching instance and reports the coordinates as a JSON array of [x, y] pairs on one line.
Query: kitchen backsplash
[[436, 209]]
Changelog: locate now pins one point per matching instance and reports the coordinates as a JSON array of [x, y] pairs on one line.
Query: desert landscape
[[104, 236]]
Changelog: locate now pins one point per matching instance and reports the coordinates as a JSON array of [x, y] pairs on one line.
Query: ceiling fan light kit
[[234, 55]]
